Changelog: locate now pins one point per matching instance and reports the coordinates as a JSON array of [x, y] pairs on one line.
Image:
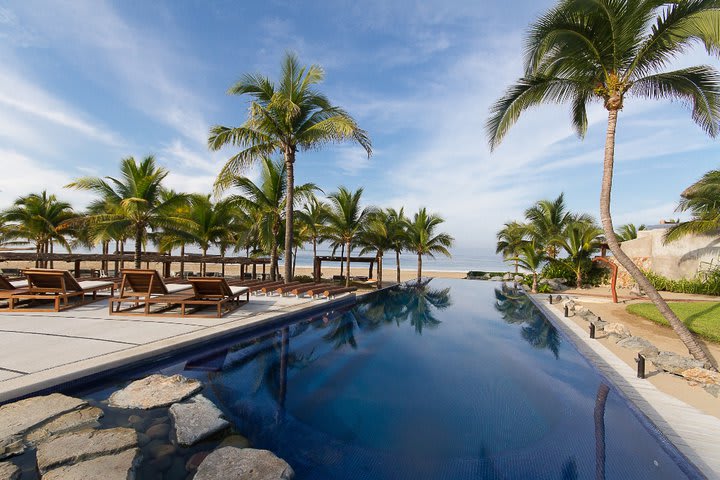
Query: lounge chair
[[215, 291], [145, 288], [59, 286], [272, 288], [290, 288], [9, 288], [267, 284], [299, 291], [334, 291]]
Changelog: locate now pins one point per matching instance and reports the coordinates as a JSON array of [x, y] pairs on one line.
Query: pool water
[[444, 379]]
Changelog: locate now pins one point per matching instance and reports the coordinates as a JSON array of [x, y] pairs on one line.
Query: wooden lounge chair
[[299, 291], [332, 292], [145, 288], [60, 287], [272, 289], [293, 286], [9, 288], [215, 291], [260, 286]]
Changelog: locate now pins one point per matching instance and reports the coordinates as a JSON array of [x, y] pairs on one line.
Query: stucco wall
[[675, 260]]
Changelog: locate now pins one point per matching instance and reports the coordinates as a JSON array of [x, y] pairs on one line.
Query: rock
[[558, 299], [83, 445], [19, 417], [638, 344], [581, 311], [120, 466], [194, 462], [196, 419], [142, 439], [496, 279], [702, 376], [617, 329], [674, 363], [556, 284], [570, 304], [9, 471], [177, 469], [245, 463], [713, 390], [518, 278], [507, 277], [160, 450], [237, 441], [155, 391], [83, 418], [162, 456], [159, 431]]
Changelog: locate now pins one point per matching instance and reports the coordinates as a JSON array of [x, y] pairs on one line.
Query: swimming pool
[[446, 379]]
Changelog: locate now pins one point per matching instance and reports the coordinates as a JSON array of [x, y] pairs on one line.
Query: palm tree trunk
[[315, 278], [117, 263], [289, 197], [122, 254], [294, 261], [599, 417], [182, 260], [342, 260], [680, 329], [397, 263], [52, 250], [347, 277], [516, 267], [379, 269], [203, 265], [419, 269], [138, 245], [273, 262], [534, 284], [578, 278]]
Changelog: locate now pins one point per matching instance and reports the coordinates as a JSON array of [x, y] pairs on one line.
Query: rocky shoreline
[[156, 427]]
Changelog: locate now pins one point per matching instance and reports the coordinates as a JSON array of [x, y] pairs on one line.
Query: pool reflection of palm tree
[[516, 308]]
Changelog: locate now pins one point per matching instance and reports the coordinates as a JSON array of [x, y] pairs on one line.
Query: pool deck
[[43, 350], [694, 433]]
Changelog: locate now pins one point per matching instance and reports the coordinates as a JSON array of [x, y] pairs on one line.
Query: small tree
[[531, 258], [423, 239]]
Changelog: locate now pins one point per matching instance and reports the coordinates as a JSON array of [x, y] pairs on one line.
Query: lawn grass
[[702, 318]]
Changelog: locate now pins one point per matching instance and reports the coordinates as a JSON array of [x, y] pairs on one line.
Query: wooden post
[[222, 271], [370, 270], [264, 271], [254, 275], [242, 271], [77, 268], [317, 262]]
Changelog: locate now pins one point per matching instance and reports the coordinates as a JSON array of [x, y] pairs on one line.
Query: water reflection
[[516, 308]]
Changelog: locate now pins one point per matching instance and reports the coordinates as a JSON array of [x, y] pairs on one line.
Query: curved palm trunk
[[273, 262], [397, 263], [682, 331], [138, 245], [534, 284], [347, 277], [294, 261], [289, 196], [419, 270], [578, 278], [599, 417]]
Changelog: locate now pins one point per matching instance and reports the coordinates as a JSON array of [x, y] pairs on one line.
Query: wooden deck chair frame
[[59, 286], [214, 291], [148, 288]]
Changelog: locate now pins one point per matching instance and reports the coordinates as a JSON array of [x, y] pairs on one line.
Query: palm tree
[[702, 198], [312, 217], [580, 241], [546, 221], [397, 226], [209, 224], [376, 237], [628, 232], [582, 51], [135, 201], [531, 258], [284, 118], [40, 219], [266, 202], [423, 239], [346, 220], [509, 240]]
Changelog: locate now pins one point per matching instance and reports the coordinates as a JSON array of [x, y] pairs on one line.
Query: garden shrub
[[710, 285]]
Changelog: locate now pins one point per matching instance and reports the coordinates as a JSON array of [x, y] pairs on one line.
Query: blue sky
[[86, 83]]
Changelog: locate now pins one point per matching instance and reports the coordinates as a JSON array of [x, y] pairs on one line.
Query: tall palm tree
[[40, 219], [397, 226], [531, 258], [209, 224], [377, 237], [702, 199], [135, 201], [266, 201], [346, 220], [605, 50], [313, 217], [284, 118], [509, 240], [628, 232], [423, 238], [580, 241]]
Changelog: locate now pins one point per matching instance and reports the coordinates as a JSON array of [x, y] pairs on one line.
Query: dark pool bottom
[[438, 380]]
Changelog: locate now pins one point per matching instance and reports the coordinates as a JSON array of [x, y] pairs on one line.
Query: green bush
[[543, 288], [710, 285], [558, 269], [303, 278]]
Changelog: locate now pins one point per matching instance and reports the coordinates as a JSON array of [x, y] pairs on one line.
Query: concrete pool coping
[[124, 354], [694, 433]]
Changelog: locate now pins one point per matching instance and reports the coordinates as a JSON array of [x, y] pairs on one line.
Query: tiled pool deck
[[693, 432], [42, 350]]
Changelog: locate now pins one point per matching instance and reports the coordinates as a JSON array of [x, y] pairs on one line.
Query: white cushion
[[19, 283], [177, 287], [94, 284], [239, 289]]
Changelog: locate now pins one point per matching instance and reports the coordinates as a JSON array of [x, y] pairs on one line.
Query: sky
[[85, 83]]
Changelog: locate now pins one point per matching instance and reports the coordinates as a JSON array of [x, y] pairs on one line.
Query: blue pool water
[[450, 379]]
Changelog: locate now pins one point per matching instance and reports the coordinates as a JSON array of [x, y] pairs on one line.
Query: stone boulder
[[702, 376], [713, 390], [84, 445], [9, 471], [18, 418], [486, 276], [557, 284], [79, 419], [496, 279], [196, 419], [674, 363], [245, 463], [120, 466], [617, 329], [570, 304], [155, 391], [518, 278], [507, 277], [639, 345]]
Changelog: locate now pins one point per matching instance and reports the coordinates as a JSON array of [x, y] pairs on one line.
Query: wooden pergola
[[317, 264], [120, 258]]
